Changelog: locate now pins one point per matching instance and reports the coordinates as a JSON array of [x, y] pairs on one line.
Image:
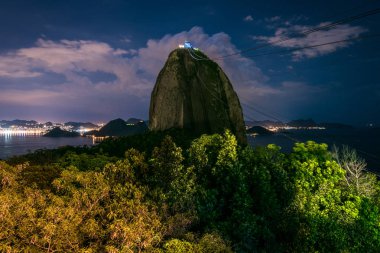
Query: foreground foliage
[[204, 195]]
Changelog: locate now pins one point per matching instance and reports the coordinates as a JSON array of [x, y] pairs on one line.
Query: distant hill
[[58, 132], [333, 125], [302, 123], [134, 121], [259, 130], [17, 122], [119, 127], [264, 123], [78, 125], [297, 123]]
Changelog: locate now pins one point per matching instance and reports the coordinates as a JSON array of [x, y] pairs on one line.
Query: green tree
[[271, 192], [320, 203], [222, 195], [171, 184]]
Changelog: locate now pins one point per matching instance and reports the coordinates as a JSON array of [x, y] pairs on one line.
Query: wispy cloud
[[29, 98], [126, 39], [273, 19], [12, 66], [277, 21], [337, 33], [248, 18]]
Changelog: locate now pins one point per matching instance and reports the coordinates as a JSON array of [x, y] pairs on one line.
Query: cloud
[[339, 32], [58, 57], [29, 98], [248, 18], [126, 39], [91, 80], [16, 67], [94, 77], [273, 19]]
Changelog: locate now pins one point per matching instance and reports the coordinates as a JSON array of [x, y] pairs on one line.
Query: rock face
[[195, 94]]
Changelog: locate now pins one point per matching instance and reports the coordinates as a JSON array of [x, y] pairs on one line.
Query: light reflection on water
[[18, 144], [363, 140], [7, 138]]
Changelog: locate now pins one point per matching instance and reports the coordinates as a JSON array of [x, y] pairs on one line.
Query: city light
[[30, 131], [276, 128], [18, 130]]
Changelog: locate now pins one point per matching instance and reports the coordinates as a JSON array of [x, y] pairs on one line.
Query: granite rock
[[196, 95]]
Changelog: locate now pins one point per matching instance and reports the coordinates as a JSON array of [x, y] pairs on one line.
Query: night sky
[[98, 60]]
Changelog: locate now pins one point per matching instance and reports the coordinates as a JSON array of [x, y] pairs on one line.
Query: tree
[[209, 243], [322, 206], [171, 185], [271, 192], [223, 201], [357, 178], [214, 196]]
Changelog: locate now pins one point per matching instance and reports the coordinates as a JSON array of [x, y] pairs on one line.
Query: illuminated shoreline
[[37, 131]]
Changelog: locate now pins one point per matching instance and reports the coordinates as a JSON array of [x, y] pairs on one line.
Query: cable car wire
[[192, 56], [314, 46], [305, 32]]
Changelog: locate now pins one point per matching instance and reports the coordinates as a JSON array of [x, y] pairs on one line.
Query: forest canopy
[[172, 192]]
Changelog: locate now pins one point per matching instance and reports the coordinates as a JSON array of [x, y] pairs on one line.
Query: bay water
[[365, 140]]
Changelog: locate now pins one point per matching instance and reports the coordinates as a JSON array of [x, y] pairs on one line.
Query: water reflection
[[7, 138], [17, 144]]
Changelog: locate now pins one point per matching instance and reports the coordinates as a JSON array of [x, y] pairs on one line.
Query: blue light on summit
[[187, 44]]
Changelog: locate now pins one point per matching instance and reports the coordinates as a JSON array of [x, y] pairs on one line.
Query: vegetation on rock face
[[173, 193]]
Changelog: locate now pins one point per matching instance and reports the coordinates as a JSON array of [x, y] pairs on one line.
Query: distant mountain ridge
[[334, 125], [78, 125], [33, 123], [302, 123], [297, 123], [264, 123], [58, 132], [259, 131], [17, 122], [134, 121]]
